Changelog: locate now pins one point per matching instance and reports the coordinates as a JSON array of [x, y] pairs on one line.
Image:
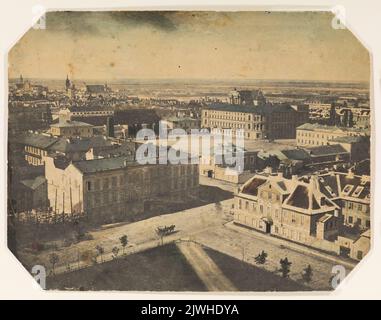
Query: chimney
[[350, 174]]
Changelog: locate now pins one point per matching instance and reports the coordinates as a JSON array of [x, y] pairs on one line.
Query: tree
[[123, 241], [285, 267], [261, 258], [53, 259], [115, 252], [100, 250], [307, 274]]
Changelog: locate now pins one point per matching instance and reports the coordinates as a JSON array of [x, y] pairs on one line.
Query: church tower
[[68, 83]]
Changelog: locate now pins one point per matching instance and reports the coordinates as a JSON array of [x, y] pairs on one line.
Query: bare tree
[[115, 252], [53, 259], [123, 241], [100, 250]]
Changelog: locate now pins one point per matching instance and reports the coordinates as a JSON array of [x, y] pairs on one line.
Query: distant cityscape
[[306, 175]]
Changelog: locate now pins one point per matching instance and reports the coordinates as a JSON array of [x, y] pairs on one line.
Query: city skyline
[[190, 45]]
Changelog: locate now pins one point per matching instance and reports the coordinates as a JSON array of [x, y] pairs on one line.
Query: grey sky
[[197, 45]]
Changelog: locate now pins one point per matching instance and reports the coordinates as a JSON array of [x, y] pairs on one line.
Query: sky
[[190, 45]]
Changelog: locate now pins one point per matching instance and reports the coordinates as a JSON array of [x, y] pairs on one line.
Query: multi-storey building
[[288, 208], [330, 212], [352, 193], [317, 135], [110, 187], [34, 146], [258, 122], [69, 128]]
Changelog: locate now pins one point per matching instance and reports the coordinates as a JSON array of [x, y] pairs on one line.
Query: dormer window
[[347, 189], [357, 192]]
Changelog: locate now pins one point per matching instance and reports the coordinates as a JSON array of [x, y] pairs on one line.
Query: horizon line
[[190, 79]]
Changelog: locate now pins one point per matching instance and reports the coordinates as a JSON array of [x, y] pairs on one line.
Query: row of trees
[[285, 267], [90, 256]]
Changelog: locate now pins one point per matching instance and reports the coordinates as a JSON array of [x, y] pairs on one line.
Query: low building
[[358, 147], [30, 194], [184, 123], [215, 165], [355, 247], [327, 154], [312, 135], [114, 187], [126, 149], [70, 128]]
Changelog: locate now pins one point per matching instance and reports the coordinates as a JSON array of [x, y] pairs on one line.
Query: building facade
[[258, 122], [288, 208], [106, 188], [71, 129], [317, 135], [352, 193]]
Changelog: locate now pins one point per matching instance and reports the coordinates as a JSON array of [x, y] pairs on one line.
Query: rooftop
[[326, 150], [34, 183], [36, 140], [260, 109], [321, 127], [91, 166], [70, 123]]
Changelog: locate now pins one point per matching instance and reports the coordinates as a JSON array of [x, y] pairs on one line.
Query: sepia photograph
[[189, 151]]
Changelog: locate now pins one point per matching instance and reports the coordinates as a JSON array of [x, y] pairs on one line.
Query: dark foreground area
[[165, 269]]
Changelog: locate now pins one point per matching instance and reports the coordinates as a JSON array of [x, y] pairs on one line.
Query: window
[[88, 185], [357, 192], [350, 219], [367, 223], [105, 183], [359, 255], [359, 221], [347, 189]]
